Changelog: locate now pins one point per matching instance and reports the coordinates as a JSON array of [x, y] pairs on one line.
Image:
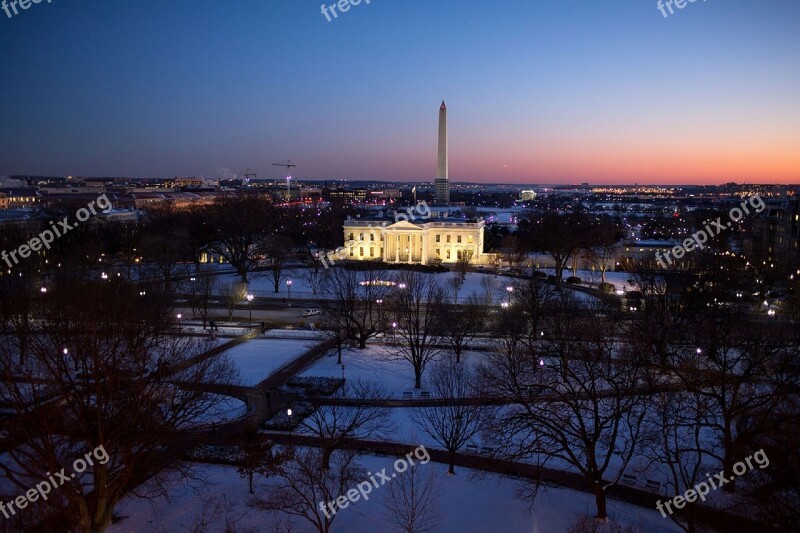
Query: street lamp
[[43, 290], [289, 290], [510, 289], [394, 331], [250, 307], [180, 316]]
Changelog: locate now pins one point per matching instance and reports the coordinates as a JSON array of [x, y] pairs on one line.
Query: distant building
[[348, 195], [3, 201], [527, 196], [20, 198], [776, 234], [423, 242]]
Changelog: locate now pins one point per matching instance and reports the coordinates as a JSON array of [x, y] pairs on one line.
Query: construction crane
[[288, 165]]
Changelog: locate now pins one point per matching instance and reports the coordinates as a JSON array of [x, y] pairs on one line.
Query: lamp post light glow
[[250, 307], [289, 290], [180, 316]]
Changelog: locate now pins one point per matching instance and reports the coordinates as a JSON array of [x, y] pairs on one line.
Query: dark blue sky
[[537, 91]]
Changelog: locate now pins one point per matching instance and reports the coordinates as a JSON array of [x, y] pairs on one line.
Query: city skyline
[[545, 93]]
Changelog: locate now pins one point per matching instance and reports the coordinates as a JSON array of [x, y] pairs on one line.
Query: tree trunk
[[451, 466], [417, 379], [326, 458], [559, 276], [600, 501]]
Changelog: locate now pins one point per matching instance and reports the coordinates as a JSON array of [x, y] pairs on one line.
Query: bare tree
[[489, 285], [417, 304], [413, 502], [277, 249], [240, 224], [462, 324], [560, 236], [315, 278], [233, 294], [533, 297], [304, 487], [454, 424], [463, 261], [355, 303], [744, 369], [603, 247], [674, 439], [512, 250], [581, 409], [261, 457], [361, 419], [201, 288], [454, 284], [106, 370]]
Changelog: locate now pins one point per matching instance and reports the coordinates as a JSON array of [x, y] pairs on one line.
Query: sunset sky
[[557, 91]]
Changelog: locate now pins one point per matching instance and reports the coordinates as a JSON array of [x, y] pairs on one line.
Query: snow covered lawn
[[487, 504], [226, 409], [375, 364], [258, 359]]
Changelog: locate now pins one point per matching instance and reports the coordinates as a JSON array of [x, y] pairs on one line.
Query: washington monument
[[442, 183]]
